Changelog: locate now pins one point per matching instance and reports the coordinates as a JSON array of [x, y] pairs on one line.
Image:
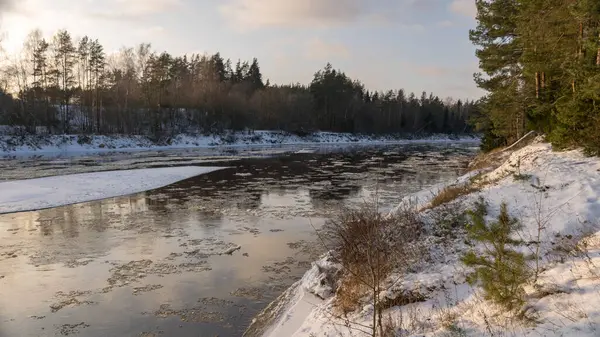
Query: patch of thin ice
[[40, 193]]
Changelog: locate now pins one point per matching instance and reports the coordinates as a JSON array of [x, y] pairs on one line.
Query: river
[[165, 262]]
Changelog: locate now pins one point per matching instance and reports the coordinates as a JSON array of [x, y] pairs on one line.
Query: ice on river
[[33, 194]]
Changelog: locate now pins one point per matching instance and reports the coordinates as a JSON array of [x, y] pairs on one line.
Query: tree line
[[540, 62], [63, 85]]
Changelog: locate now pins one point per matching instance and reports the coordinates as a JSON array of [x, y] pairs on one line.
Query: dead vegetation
[[495, 158], [371, 246], [487, 160], [451, 193]]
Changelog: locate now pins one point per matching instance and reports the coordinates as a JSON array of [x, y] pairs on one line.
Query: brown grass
[[349, 294], [451, 193], [486, 160]]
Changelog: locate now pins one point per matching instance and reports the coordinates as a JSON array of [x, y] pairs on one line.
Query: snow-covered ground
[[34, 194], [556, 191], [73, 144]]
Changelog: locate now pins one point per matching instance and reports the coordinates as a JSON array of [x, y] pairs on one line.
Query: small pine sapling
[[499, 267]]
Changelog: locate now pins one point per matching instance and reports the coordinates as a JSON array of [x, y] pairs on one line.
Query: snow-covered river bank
[[76, 145], [555, 195]]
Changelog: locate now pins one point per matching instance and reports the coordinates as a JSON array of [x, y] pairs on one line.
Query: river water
[[165, 262]]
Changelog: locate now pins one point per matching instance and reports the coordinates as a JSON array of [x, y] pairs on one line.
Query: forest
[[540, 62], [66, 85]]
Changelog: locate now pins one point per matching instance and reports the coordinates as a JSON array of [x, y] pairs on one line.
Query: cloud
[[24, 8], [6, 5], [414, 27], [445, 23], [260, 13], [464, 7], [152, 31], [432, 71], [133, 9], [146, 7], [254, 14], [317, 49], [424, 5]]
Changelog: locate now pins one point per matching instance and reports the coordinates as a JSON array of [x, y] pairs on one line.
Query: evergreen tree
[[541, 63], [218, 67], [64, 58], [499, 50], [254, 76], [96, 66], [500, 268]]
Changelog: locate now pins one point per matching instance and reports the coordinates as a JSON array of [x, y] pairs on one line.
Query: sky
[[417, 45]]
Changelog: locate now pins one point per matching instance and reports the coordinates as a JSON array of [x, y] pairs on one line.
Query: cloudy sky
[[413, 44]]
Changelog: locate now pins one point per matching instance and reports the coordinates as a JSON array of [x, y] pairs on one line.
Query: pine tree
[[499, 51], [218, 66], [97, 63], [83, 53], [230, 75], [40, 78], [64, 58], [254, 76], [541, 64], [578, 107], [500, 268]]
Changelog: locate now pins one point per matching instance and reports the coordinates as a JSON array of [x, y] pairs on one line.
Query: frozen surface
[[556, 191], [33, 194]]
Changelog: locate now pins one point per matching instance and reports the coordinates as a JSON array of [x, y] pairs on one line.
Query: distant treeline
[[66, 86]]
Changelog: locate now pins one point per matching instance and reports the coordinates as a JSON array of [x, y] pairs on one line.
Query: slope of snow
[[33, 194], [286, 315], [556, 191], [24, 145]]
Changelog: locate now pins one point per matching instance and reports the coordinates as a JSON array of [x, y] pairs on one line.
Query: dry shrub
[[451, 193], [349, 294], [403, 298], [391, 327], [487, 160], [370, 246]]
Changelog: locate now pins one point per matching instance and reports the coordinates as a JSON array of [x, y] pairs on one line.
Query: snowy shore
[[40, 193], [559, 190], [74, 144]]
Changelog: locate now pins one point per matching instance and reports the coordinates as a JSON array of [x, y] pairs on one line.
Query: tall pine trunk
[[537, 85], [598, 52]]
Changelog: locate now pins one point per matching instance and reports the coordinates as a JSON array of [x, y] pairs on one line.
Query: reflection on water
[[167, 262]]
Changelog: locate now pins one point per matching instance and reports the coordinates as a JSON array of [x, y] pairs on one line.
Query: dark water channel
[[156, 263]]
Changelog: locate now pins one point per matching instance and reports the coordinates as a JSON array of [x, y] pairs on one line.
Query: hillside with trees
[[540, 62], [63, 85]]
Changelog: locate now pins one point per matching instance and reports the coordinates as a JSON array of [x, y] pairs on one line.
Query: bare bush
[[370, 246]]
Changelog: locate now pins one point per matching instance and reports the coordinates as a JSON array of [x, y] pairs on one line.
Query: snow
[[296, 304], [74, 144], [556, 191], [40, 193]]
